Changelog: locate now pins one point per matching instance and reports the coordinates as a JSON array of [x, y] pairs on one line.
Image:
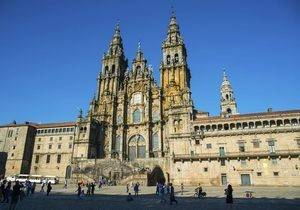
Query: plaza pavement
[[110, 198]]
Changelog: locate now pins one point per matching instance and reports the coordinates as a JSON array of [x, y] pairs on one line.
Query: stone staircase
[[121, 172]]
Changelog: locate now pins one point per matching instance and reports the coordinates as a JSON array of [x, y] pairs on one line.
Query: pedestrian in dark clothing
[[33, 188], [2, 189], [228, 191], [136, 189], [172, 195], [7, 192], [78, 190], [93, 188], [49, 188], [88, 192], [28, 187], [15, 195]]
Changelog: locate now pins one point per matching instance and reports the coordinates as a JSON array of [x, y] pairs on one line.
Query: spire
[[228, 103], [173, 25], [139, 54], [225, 78], [116, 45], [173, 21], [173, 35]]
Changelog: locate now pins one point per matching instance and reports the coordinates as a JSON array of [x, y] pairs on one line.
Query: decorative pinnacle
[[117, 29], [118, 25], [224, 73], [139, 49], [173, 11]]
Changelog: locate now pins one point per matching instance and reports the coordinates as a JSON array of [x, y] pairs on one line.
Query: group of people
[[201, 194], [13, 194], [168, 189], [89, 191]]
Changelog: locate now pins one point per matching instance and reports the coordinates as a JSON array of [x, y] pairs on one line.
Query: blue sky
[[50, 51]]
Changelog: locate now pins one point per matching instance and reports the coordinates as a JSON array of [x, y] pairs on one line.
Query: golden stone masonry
[[137, 130]]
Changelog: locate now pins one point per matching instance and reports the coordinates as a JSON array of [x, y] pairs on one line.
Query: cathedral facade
[[136, 129]]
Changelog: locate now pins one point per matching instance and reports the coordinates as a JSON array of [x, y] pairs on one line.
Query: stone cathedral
[[134, 112], [139, 130]]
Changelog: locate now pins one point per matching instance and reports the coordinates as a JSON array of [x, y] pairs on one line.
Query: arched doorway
[[136, 147], [68, 172], [156, 176]]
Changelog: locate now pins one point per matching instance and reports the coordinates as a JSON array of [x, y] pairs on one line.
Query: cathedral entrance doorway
[[156, 176]]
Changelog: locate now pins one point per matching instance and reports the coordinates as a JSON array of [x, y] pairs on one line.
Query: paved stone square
[[272, 198]]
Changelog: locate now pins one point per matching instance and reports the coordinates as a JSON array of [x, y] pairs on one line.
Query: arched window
[[154, 145], [176, 58], [136, 116], [155, 116], [118, 144], [168, 59], [105, 69], [138, 68], [229, 111], [113, 68], [136, 98], [136, 147], [141, 147], [154, 142], [119, 119], [227, 96]]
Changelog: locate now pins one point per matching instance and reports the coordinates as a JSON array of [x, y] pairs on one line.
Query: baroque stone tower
[[175, 81], [228, 103], [103, 108]]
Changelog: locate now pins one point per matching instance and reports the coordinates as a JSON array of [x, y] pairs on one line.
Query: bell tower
[[114, 65], [175, 74], [228, 104], [103, 107], [175, 80]]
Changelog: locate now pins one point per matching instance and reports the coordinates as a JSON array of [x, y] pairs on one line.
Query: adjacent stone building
[[53, 149], [137, 129], [16, 146]]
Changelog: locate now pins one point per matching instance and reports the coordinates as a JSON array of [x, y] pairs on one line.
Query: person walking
[[78, 190], [181, 186], [43, 185], [92, 188], [228, 192], [127, 188], [66, 184], [136, 189], [88, 192], [28, 187], [172, 195], [49, 188], [162, 193], [7, 192], [15, 195], [33, 188]]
